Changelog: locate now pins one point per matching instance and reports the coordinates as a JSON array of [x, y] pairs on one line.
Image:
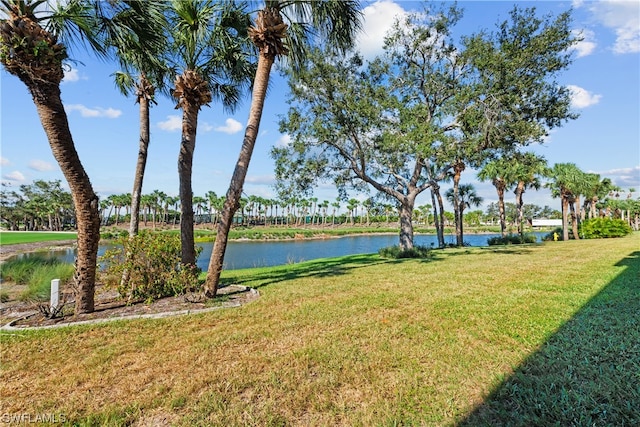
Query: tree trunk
[[565, 217], [501, 210], [436, 218], [185, 165], [140, 166], [574, 219], [441, 207], [134, 221], [519, 208], [406, 225], [54, 121], [458, 168], [232, 201]]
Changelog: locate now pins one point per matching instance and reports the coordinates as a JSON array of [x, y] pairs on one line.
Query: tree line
[[45, 205]]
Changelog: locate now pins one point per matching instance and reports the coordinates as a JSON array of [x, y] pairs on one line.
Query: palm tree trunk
[[134, 222], [140, 166], [519, 208], [185, 165], [574, 219], [456, 204], [54, 121], [565, 217], [261, 82], [501, 210]]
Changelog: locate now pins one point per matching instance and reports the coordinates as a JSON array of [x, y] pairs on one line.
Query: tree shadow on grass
[[317, 268], [586, 374]]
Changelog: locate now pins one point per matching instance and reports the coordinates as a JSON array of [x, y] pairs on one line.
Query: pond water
[[248, 254]]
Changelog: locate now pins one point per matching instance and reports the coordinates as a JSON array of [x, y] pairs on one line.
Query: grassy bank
[[529, 335], [15, 237]]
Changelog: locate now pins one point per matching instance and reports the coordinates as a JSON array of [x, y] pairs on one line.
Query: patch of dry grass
[[351, 341]]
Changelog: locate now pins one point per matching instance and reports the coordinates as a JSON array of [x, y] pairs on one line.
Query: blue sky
[[605, 139]]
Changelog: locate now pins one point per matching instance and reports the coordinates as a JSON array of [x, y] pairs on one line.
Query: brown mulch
[[108, 305]]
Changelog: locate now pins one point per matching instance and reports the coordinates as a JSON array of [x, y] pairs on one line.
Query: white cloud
[[40, 165], [283, 141], [14, 176], [231, 126], [378, 20], [261, 180], [109, 113], [4, 161], [72, 75], [582, 98], [623, 16], [172, 124], [587, 45], [625, 177], [204, 127]]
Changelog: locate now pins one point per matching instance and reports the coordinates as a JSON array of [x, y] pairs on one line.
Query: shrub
[[599, 228], [511, 239], [153, 265], [394, 252]]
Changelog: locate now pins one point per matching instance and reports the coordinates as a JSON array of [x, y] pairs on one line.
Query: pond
[[249, 254]]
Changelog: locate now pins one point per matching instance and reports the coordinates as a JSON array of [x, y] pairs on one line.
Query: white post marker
[[55, 294]]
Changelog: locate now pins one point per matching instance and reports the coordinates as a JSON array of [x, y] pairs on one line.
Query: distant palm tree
[[211, 48], [466, 198], [282, 28]]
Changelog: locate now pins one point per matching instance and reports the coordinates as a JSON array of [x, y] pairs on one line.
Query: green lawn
[[15, 237], [522, 335]]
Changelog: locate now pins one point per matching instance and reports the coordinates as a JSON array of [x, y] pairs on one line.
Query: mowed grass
[[529, 335], [15, 237]]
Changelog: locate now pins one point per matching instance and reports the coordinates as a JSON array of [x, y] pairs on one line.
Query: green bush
[[36, 272], [511, 239], [394, 252], [153, 265], [600, 228]]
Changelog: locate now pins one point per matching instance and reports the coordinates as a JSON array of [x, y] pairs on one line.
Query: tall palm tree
[[281, 28], [528, 169], [499, 172], [143, 72], [211, 59], [454, 197], [564, 177], [34, 41], [466, 198]]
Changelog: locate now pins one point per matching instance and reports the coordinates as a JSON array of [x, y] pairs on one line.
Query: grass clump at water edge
[[396, 252], [36, 272]]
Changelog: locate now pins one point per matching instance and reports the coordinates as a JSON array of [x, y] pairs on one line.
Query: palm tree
[[31, 50], [499, 172], [527, 170], [142, 74], [466, 197], [564, 180], [210, 46], [337, 22]]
